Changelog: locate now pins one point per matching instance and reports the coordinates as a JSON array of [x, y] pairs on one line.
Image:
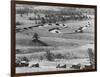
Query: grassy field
[[67, 43]]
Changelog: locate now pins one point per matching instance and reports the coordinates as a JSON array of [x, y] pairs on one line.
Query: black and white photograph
[[54, 38]]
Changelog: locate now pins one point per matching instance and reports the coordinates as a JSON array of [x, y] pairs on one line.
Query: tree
[[49, 56], [27, 10], [91, 56], [43, 20], [35, 36], [41, 57]]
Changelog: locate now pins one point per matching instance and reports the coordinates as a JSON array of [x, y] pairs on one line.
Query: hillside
[[51, 35]]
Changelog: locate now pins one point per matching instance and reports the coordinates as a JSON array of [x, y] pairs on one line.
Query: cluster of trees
[[52, 56], [52, 16], [66, 11], [23, 11]]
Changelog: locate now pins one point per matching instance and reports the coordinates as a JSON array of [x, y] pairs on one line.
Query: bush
[[30, 18], [18, 51], [22, 59], [49, 56], [18, 23], [59, 56]]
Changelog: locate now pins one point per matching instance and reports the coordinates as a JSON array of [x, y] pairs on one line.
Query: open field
[[67, 47]]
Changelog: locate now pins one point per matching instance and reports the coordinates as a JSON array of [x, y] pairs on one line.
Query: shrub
[[24, 59], [59, 56], [18, 51], [18, 23], [30, 18], [49, 56]]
